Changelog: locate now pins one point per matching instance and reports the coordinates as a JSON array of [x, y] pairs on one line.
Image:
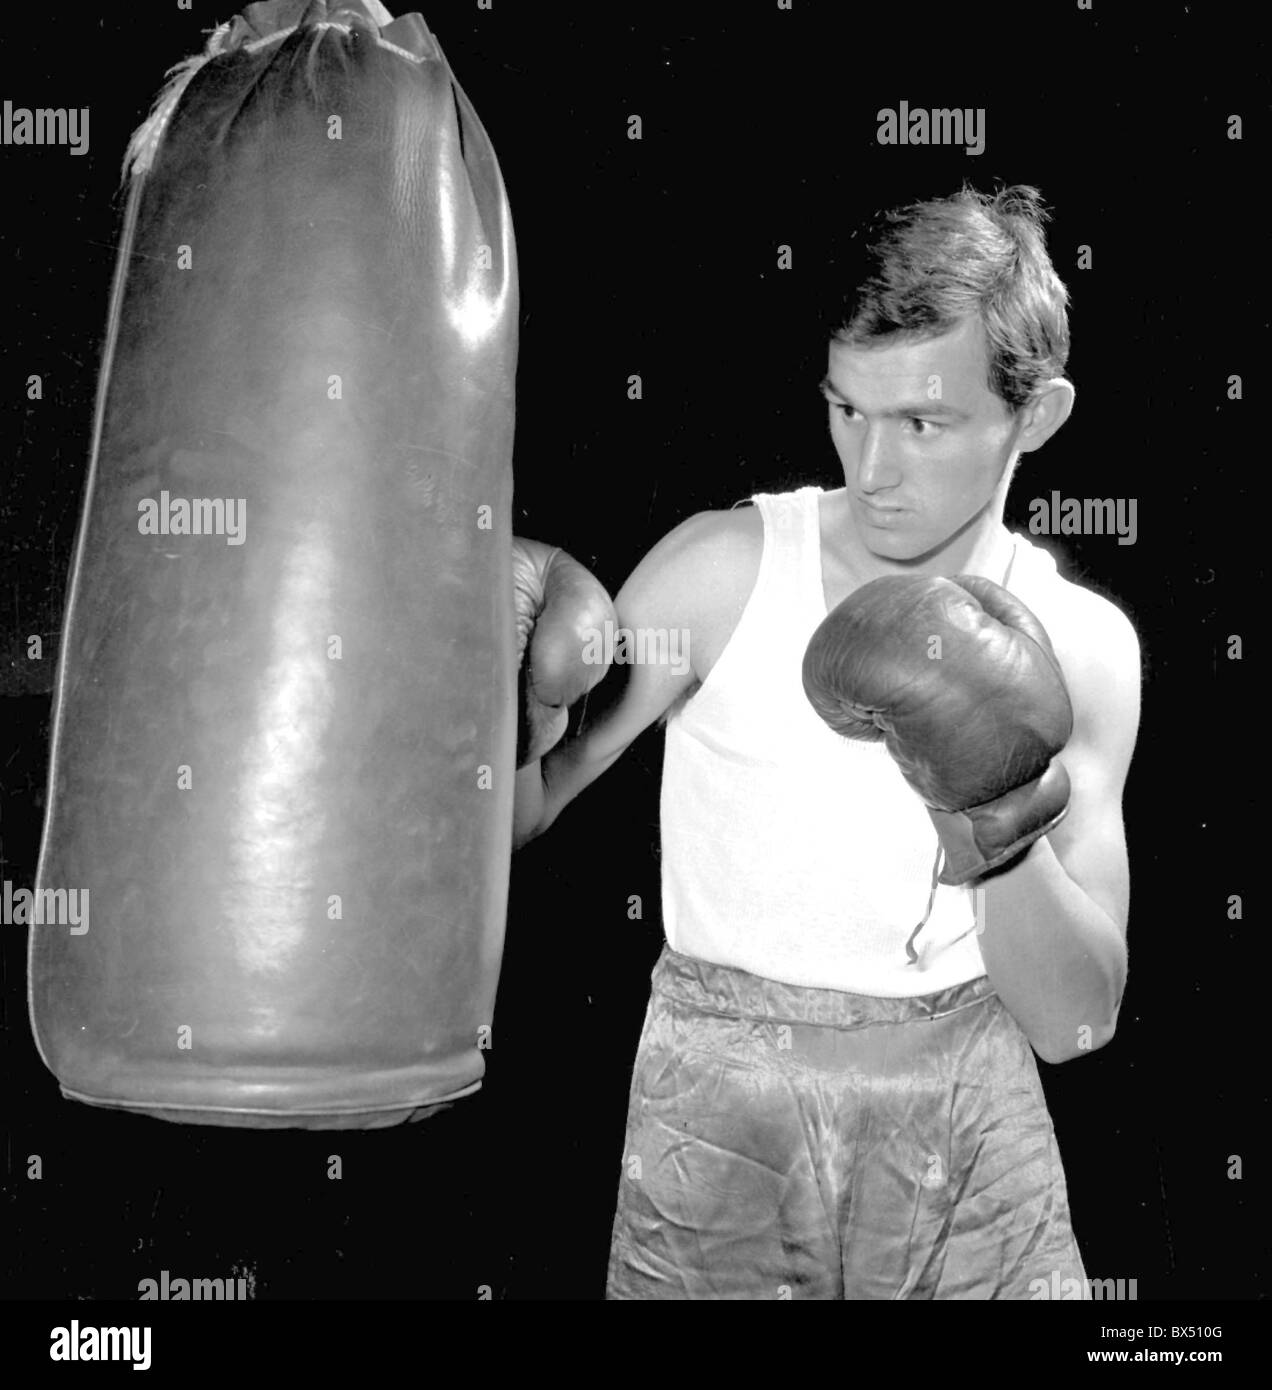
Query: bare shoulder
[[707, 553], [1086, 628], [724, 544]]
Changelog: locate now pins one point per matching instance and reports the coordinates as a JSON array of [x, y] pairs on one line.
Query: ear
[[1043, 415]]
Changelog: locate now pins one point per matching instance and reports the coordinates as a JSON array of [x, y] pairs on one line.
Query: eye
[[925, 429], [846, 411]]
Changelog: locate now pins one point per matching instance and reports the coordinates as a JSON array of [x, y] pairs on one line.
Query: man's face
[[922, 439]]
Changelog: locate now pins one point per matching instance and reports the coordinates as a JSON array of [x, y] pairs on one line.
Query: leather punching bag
[[284, 724]]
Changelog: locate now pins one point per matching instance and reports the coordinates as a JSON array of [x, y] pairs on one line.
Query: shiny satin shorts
[[785, 1142]]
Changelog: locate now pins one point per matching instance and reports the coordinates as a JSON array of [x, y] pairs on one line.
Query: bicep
[[1090, 842], [655, 612]]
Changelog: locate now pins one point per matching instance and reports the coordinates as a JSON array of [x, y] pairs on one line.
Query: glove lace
[[937, 865]]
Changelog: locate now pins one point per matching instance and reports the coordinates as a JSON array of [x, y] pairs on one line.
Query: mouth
[[877, 513]]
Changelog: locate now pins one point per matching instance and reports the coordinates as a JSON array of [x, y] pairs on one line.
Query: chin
[[895, 545]]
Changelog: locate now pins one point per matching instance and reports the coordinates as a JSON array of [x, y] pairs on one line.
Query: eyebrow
[[899, 412]]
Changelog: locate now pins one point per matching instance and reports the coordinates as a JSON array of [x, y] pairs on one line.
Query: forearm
[[545, 786], [1056, 958], [528, 804]]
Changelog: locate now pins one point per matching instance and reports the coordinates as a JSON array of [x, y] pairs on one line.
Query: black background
[[658, 257]]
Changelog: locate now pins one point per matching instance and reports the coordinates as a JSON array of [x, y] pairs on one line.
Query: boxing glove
[[561, 608], [959, 679]]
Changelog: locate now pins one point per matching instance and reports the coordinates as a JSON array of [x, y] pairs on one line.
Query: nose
[[877, 470]]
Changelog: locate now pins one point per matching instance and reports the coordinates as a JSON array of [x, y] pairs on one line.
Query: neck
[[984, 548]]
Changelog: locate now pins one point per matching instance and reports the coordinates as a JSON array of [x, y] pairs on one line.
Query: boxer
[[817, 1111]]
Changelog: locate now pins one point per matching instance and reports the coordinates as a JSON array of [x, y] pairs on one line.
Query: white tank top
[[787, 850]]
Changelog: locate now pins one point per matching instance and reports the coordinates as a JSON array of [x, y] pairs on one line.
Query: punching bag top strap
[[275, 19], [263, 25]]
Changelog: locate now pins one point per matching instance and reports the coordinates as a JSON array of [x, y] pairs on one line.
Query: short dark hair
[[931, 264]]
